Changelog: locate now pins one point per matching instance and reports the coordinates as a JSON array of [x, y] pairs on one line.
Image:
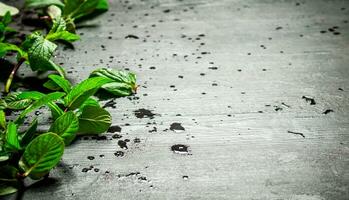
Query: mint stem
[[12, 75]]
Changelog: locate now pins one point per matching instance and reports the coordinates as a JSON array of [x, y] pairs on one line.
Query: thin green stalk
[[12, 75]]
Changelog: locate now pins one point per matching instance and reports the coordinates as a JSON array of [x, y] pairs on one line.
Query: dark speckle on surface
[[122, 144], [311, 100], [114, 128], [180, 149], [131, 37], [144, 113], [177, 127]]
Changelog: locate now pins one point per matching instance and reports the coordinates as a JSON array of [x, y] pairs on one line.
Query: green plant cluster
[[38, 47], [24, 150]]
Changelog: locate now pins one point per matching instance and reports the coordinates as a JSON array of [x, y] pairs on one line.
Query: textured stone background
[[233, 74]]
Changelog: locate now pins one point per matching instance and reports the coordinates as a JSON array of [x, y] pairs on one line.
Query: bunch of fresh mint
[[24, 150]]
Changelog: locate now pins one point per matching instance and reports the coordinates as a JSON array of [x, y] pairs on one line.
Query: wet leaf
[[79, 8], [4, 156], [66, 126], [41, 155], [35, 95], [40, 51], [42, 3], [54, 11], [8, 173], [83, 91], [7, 188], [6, 47], [12, 142], [58, 82], [58, 32], [94, 120], [13, 101], [44, 100], [2, 119], [124, 83], [89, 102]]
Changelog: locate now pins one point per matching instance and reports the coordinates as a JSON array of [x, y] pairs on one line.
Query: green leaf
[[13, 101], [51, 85], [60, 82], [86, 8], [46, 99], [58, 31], [6, 47], [124, 83], [89, 102], [79, 8], [8, 173], [94, 120], [42, 3], [2, 119], [71, 5], [58, 25], [30, 133], [3, 104], [4, 156], [103, 5], [66, 126], [6, 8], [35, 95], [7, 19], [83, 91], [54, 11], [12, 142], [40, 52], [41, 155], [32, 95], [8, 180], [63, 35], [7, 188]]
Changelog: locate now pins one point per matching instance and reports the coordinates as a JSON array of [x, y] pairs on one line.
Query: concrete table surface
[[238, 99]]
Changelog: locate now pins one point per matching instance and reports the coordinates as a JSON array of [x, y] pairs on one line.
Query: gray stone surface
[[258, 58]]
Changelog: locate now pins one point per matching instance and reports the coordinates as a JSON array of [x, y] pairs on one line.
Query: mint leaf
[[94, 120], [7, 188], [103, 5], [83, 91], [58, 32], [12, 142], [89, 102], [78, 8], [8, 173], [30, 133], [13, 101], [124, 83], [42, 3], [35, 95], [8, 180], [4, 155], [6, 20], [40, 51], [58, 82], [6, 8], [54, 11], [41, 155], [66, 126], [6, 47], [2, 119], [63, 35], [86, 8], [46, 99]]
